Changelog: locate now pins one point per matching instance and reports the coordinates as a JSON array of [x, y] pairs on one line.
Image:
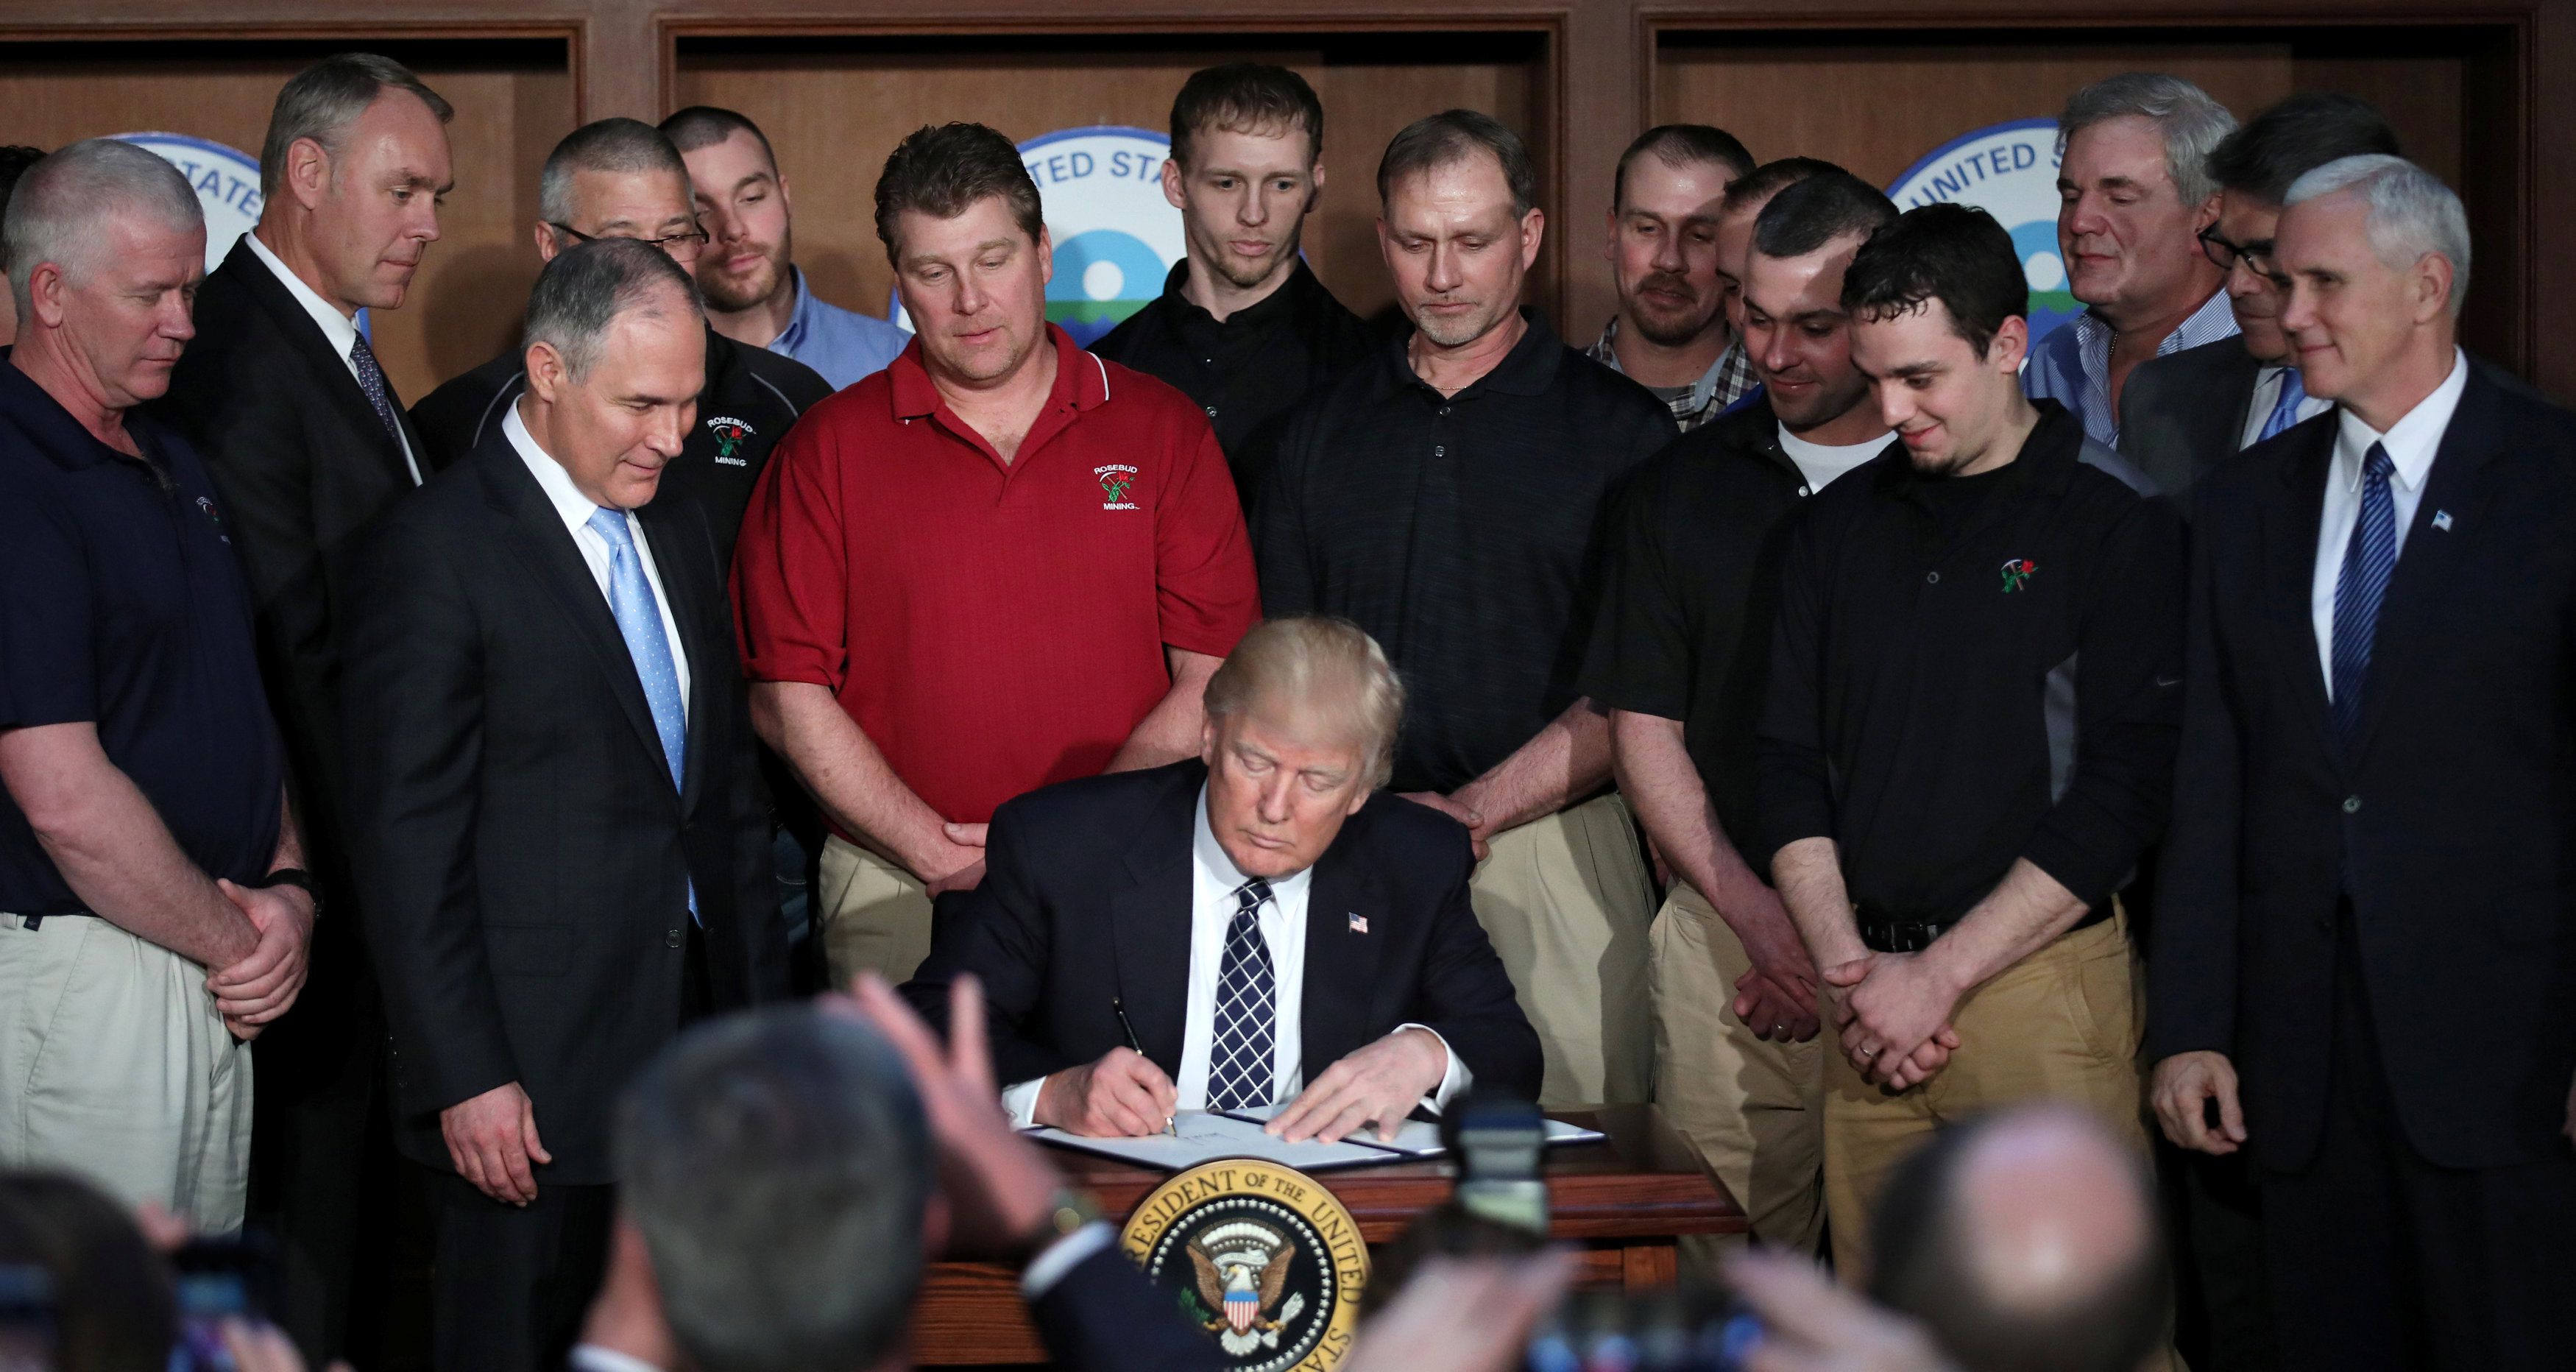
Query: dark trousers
[[322, 1160], [2380, 1259], [2212, 1208], [513, 1284]]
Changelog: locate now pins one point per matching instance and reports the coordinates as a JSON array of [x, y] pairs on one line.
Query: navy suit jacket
[[1087, 896], [2454, 813]]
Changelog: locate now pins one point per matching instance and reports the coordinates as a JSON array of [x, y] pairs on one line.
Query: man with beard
[[1948, 804], [1445, 495], [1673, 331], [1680, 655], [1242, 326], [755, 295], [998, 564], [2134, 194]]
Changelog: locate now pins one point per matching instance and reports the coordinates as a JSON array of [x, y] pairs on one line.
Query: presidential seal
[[1259, 1256], [226, 182], [2009, 171], [1115, 235]]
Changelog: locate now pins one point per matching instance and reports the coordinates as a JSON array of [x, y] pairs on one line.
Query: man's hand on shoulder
[[1380, 1084], [259, 988], [1475, 822], [2183, 1086], [1123, 1095]]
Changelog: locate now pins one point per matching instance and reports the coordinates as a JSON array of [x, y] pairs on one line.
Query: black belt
[[33, 922], [1881, 932]]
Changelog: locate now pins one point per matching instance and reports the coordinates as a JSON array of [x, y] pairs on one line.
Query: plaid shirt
[[1728, 380]]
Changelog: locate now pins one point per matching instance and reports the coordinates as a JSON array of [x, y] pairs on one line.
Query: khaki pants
[[875, 915], [114, 1065], [1752, 1110], [2062, 1024], [1566, 902]]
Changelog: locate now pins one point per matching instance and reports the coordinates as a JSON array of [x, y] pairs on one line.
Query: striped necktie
[[2367, 561]]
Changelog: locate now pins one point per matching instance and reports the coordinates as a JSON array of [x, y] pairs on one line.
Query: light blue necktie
[[1243, 1063], [639, 619], [2367, 561], [2285, 411]]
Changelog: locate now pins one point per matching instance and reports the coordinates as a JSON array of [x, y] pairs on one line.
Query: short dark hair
[[1809, 214], [1924, 1268], [580, 294], [319, 101], [1955, 254], [704, 126], [15, 159], [2295, 137], [1246, 97], [941, 169], [1757, 186], [1437, 140], [1681, 145]]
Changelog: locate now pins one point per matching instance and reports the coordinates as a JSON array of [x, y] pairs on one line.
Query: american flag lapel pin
[[2442, 520], [1359, 923]]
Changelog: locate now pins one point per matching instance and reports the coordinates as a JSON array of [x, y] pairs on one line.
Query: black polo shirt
[[1971, 670], [1460, 531], [121, 605], [752, 396], [1248, 369], [1690, 578]]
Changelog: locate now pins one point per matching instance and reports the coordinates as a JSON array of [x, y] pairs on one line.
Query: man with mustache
[[1445, 495], [1673, 331], [307, 441], [755, 294], [999, 563], [1680, 655], [1242, 326], [1968, 738], [2133, 196]]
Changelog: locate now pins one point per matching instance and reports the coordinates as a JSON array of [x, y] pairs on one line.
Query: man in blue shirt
[[2133, 195], [154, 914], [755, 296]]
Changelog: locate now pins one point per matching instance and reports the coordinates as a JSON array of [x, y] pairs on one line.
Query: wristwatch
[[296, 877]]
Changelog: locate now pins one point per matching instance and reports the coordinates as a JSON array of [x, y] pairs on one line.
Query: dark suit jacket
[[1103, 1316], [2184, 413], [524, 858], [1087, 895], [300, 461], [2455, 814]]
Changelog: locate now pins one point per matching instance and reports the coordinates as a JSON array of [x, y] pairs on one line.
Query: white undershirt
[[575, 509], [339, 329], [2412, 442], [1820, 463], [1214, 880]]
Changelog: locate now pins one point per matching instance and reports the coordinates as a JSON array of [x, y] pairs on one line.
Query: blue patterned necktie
[[1243, 1063], [2285, 411], [371, 379], [639, 620], [2367, 561]]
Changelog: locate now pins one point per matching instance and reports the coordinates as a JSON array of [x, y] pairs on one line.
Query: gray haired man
[[561, 847], [2134, 194], [145, 840]]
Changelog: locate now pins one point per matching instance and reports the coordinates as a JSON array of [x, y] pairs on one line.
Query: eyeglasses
[[677, 245], [2226, 254]]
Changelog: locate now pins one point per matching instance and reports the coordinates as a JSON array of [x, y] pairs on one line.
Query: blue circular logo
[[2010, 171], [226, 182]]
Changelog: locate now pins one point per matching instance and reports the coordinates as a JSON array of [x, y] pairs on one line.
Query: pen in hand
[[1118, 1007]]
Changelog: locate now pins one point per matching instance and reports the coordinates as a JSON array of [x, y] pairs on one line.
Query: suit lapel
[[330, 371], [1150, 922], [540, 541], [1341, 961], [2457, 490], [681, 551], [2231, 407], [2290, 523]]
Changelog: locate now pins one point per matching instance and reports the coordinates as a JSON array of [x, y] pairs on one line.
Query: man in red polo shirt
[[999, 563]]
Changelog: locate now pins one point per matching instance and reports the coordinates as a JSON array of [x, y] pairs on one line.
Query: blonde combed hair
[[1316, 660]]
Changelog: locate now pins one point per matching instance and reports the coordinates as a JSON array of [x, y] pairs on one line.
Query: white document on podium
[[1205, 1136]]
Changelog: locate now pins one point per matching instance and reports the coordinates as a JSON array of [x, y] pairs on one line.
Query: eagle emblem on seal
[[1242, 1268]]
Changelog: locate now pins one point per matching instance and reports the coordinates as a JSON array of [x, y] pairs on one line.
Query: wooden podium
[[1624, 1201]]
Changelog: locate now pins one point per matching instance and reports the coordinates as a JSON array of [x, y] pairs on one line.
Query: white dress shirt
[[2267, 393], [1214, 880], [576, 509], [340, 329], [2412, 443]]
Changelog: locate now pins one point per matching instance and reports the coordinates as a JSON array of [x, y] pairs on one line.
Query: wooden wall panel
[[513, 101], [834, 109]]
